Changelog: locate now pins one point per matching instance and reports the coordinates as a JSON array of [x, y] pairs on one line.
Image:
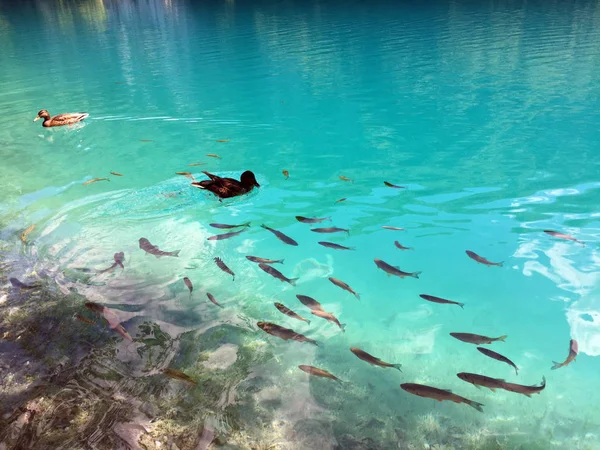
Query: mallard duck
[[61, 119], [228, 187]]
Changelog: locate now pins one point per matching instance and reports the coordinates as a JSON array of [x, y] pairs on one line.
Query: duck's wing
[[69, 118], [204, 184], [211, 176]]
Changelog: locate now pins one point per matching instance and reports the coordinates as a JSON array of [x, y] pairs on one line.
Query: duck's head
[[248, 179], [43, 114]]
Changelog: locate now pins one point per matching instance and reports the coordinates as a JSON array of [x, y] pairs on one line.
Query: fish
[[341, 200], [525, 390], [573, 350], [258, 259], [154, 250], [311, 219], [477, 339], [187, 175], [212, 299], [111, 318], [344, 286], [387, 227], [116, 174], [330, 230], [568, 237], [196, 164], [311, 370], [93, 180], [310, 302], [290, 313], [221, 265], [213, 155], [402, 247], [227, 226], [498, 357], [277, 274], [361, 354], [393, 185], [95, 307], [220, 237], [146, 140], [178, 375], [284, 333], [481, 260], [222, 140], [282, 237], [439, 394], [119, 257], [481, 380], [25, 233], [83, 319], [188, 283], [19, 284], [393, 270], [329, 317], [334, 246], [343, 178], [431, 298], [286, 174]]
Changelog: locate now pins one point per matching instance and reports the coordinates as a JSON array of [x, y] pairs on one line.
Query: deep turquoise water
[[487, 112]]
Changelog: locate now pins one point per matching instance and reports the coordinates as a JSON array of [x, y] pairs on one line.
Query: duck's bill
[[36, 119]]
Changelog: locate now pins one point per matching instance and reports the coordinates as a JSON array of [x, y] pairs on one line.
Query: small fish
[[387, 227], [330, 230], [226, 226], [258, 259], [116, 174], [402, 247], [95, 307], [341, 200], [290, 313], [525, 390], [481, 260], [196, 164], [329, 317], [111, 318], [221, 265], [439, 394], [222, 140], [311, 219], [84, 319], [284, 333], [498, 357], [343, 178], [573, 350], [213, 155], [93, 180], [344, 286], [178, 375], [361, 354], [146, 140], [187, 175], [220, 237], [286, 174], [310, 302], [282, 237], [481, 380], [154, 250], [568, 237], [431, 298], [277, 274], [25, 233], [20, 285], [394, 185], [334, 246], [212, 299], [393, 270], [188, 283], [477, 339], [119, 258], [318, 372]]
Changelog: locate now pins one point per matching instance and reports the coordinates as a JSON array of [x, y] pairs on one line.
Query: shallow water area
[[485, 113]]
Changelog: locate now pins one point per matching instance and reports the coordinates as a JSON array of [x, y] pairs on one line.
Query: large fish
[[477, 339], [311, 370], [439, 394], [334, 246], [344, 286], [330, 230], [20, 285], [284, 333], [227, 226], [361, 354], [258, 259], [432, 298], [189, 285], [481, 380], [573, 350], [221, 265], [290, 313], [393, 270], [154, 250], [119, 258], [329, 317], [111, 318], [282, 237], [525, 390], [498, 357], [310, 302], [277, 274], [481, 260], [558, 235], [311, 219], [220, 237]]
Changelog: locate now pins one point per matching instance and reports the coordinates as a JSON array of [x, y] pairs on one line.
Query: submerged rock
[[222, 358]]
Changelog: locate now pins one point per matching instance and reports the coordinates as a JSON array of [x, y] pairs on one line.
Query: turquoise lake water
[[487, 112]]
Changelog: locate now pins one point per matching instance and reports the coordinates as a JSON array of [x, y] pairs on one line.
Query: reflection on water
[[487, 114]]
